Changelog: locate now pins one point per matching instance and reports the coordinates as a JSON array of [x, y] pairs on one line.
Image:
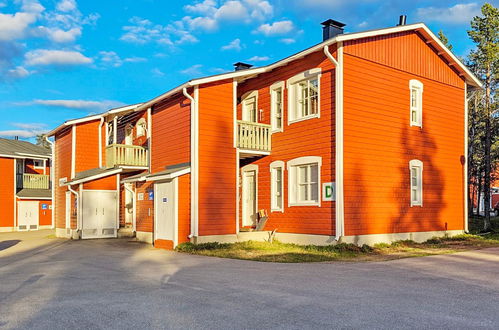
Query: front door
[[249, 198], [27, 215], [250, 112], [99, 214], [165, 207]]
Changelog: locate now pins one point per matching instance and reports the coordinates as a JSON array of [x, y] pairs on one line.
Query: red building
[[25, 194], [349, 140]]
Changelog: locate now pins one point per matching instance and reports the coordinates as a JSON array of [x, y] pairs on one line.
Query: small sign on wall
[[328, 191], [165, 200], [44, 206], [140, 196], [151, 195]]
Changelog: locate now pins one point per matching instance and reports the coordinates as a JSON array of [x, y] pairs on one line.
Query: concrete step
[[126, 233]]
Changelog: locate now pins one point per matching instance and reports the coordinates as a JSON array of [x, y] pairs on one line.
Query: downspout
[[100, 141], [77, 196], [193, 146], [52, 177], [339, 228]]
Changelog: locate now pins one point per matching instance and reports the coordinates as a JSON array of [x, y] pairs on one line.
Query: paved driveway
[[48, 283]]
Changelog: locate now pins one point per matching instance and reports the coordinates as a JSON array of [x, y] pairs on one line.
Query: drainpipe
[[74, 192], [193, 166], [52, 177], [338, 103], [100, 140]]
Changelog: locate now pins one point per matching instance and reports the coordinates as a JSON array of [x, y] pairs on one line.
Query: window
[[416, 177], [276, 105], [277, 176], [304, 181], [141, 127], [38, 163], [250, 105], [416, 101], [304, 96]]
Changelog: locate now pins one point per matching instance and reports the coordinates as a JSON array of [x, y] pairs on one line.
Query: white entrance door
[[250, 111], [249, 198], [129, 207], [165, 220], [27, 215], [99, 214]]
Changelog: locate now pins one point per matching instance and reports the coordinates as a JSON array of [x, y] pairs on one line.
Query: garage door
[[27, 215], [99, 214]]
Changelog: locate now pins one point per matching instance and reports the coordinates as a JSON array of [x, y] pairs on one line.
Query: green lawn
[[289, 253]]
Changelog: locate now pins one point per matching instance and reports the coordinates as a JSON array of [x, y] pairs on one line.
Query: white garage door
[[27, 215], [165, 208], [99, 214]]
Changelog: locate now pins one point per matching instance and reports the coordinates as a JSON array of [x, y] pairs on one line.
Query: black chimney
[[16, 137], [241, 66], [402, 20], [331, 29]]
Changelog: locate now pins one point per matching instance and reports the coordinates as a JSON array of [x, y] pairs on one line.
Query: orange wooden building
[[25, 194], [360, 138]]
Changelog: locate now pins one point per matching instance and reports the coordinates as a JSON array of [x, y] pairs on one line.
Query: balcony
[[118, 155], [254, 137], [33, 181]]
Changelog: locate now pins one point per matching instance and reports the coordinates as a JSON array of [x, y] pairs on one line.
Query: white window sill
[[416, 125], [413, 205], [305, 204], [277, 210], [302, 119], [277, 130]]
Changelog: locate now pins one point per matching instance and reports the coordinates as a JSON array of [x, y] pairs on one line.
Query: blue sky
[[63, 59]]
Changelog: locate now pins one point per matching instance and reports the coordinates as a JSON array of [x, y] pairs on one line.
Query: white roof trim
[[93, 177], [169, 175], [44, 198], [25, 157]]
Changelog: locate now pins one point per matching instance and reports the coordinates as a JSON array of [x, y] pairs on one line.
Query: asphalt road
[[47, 283]]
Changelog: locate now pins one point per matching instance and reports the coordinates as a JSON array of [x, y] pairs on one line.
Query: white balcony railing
[[253, 136], [126, 155], [33, 181]]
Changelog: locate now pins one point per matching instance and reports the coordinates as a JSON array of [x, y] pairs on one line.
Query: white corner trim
[[339, 139], [73, 151]]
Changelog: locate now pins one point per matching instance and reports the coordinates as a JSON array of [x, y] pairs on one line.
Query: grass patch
[[292, 253]]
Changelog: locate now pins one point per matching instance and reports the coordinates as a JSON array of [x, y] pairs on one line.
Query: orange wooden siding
[[312, 137], [184, 207], [7, 191], [379, 141], [87, 146], [217, 160], [170, 133], [106, 183], [62, 169]]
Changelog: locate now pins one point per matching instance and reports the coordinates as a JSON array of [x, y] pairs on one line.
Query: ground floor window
[[304, 181], [277, 179]]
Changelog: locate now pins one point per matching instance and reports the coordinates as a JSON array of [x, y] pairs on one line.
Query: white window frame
[[417, 86], [418, 166], [141, 127], [292, 165], [273, 108], [292, 84], [38, 167], [273, 188], [244, 114]]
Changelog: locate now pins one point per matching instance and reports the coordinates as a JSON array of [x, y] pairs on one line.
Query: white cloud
[[20, 133], [194, 70], [77, 104], [157, 72], [362, 24], [66, 5], [458, 14], [276, 28], [59, 35], [258, 58], [142, 31], [14, 26], [56, 57], [110, 58], [233, 45], [287, 41], [206, 7], [18, 72]]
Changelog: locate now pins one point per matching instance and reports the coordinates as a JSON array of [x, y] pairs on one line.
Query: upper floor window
[[276, 105], [304, 181], [38, 163], [141, 127], [250, 107], [304, 95], [416, 173], [276, 186], [416, 101]]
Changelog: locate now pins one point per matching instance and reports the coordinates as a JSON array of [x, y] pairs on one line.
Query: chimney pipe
[[241, 66], [16, 137], [402, 20], [331, 29]]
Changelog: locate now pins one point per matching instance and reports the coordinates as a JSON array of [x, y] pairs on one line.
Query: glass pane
[[414, 115], [302, 192], [314, 173], [302, 174], [414, 98], [314, 192]]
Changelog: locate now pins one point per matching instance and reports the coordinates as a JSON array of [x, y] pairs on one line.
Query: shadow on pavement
[[4, 245]]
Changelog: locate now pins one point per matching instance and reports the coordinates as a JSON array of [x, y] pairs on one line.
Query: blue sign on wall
[[151, 195], [44, 206]]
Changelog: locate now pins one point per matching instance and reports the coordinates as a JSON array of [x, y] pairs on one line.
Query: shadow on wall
[[357, 210], [4, 245], [419, 145]]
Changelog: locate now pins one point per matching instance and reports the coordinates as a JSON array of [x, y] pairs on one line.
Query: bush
[[190, 247], [434, 240]]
